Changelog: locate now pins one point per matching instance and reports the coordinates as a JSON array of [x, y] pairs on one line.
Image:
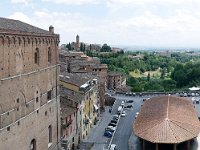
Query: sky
[[153, 23]]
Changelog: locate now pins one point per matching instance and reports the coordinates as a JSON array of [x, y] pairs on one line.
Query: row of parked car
[[110, 130], [188, 94], [111, 126]]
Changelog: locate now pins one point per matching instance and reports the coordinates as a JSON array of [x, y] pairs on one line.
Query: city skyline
[[115, 22]]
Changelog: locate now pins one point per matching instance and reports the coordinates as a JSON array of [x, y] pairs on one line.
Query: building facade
[[115, 80], [88, 108], [29, 100], [74, 62], [71, 118]]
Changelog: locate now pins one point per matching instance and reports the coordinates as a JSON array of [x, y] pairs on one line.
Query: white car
[[123, 103], [123, 114], [113, 147], [136, 115], [112, 128]]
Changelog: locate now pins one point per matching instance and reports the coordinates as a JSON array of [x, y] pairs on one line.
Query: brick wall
[[25, 112]]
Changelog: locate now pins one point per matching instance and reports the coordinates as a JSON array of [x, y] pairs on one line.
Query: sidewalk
[[95, 139]]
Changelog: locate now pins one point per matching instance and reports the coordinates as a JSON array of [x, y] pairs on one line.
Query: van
[[119, 109]]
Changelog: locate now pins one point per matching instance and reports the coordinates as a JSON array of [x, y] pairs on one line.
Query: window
[[50, 134], [37, 99], [49, 94], [36, 56], [33, 145], [17, 100], [49, 55]]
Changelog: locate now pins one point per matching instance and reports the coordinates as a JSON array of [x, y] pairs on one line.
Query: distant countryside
[[155, 71]]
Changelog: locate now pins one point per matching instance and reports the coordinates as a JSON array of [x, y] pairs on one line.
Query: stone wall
[[29, 102]]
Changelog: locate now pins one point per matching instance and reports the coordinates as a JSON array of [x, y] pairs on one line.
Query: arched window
[[36, 56], [33, 144], [50, 134], [49, 55]]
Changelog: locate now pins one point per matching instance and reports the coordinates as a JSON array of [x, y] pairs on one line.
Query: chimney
[[51, 29]]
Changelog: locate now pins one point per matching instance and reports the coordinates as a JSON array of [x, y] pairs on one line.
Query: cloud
[[131, 22], [20, 16], [73, 2], [25, 2]]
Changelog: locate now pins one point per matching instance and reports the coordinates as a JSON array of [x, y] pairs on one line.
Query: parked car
[[123, 114], [119, 109], [145, 99], [136, 115], [108, 134], [113, 147], [109, 129], [112, 128], [113, 121], [128, 106], [112, 124], [122, 103], [115, 118], [129, 101]]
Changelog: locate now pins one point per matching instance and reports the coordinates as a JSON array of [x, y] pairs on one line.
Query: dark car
[[108, 134], [113, 121], [129, 106], [130, 101], [112, 124]]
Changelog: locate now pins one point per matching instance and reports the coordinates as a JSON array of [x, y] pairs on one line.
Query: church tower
[[77, 42]]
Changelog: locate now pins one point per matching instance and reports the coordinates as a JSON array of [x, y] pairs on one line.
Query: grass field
[[137, 74]]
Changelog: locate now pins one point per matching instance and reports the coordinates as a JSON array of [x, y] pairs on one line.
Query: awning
[[96, 107]]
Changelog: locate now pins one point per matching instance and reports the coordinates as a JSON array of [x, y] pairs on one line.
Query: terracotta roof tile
[[167, 119]]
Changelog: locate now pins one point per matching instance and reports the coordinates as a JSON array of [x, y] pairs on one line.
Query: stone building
[[86, 86], [29, 100], [74, 62], [71, 117], [115, 80]]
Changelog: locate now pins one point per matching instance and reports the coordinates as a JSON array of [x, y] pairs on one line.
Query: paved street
[[96, 134]]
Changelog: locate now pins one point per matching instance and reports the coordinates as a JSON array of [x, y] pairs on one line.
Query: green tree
[[105, 48], [148, 76], [69, 46], [81, 47]]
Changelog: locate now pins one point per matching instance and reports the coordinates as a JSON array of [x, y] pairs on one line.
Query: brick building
[[86, 87], [115, 80], [71, 117], [29, 101], [74, 62]]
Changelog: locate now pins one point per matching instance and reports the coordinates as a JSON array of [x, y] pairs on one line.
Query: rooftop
[[76, 79], [73, 79], [72, 95], [16, 25], [115, 74], [167, 119]]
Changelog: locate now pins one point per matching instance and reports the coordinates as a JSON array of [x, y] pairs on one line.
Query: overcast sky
[[168, 23]]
